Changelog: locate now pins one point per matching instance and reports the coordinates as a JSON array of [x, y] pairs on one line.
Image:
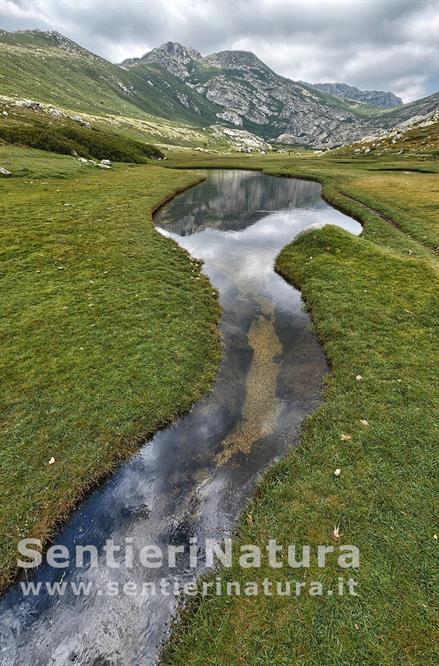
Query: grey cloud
[[388, 45]]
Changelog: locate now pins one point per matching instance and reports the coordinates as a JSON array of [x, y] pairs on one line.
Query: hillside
[[47, 128], [421, 107], [416, 137], [48, 67]]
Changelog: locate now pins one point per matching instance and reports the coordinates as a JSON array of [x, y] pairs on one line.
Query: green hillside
[[50, 68], [60, 134]]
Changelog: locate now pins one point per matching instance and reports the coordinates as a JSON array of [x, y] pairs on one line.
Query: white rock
[[54, 112], [107, 162], [337, 472], [28, 104], [5, 173]]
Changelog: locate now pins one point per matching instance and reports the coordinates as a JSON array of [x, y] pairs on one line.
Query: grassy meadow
[[374, 303], [106, 333]]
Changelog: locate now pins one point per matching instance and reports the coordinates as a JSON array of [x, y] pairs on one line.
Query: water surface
[[192, 479]]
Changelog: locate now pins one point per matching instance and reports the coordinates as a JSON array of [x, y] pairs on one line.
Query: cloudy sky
[[372, 44]]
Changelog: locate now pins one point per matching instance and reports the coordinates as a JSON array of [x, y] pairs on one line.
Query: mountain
[[48, 67], [177, 96], [247, 94], [420, 107], [375, 98], [176, 58]]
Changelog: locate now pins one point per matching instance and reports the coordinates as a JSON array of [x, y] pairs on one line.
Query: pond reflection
[[193, 478]]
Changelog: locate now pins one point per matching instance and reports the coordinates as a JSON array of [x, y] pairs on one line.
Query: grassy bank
[[374, 303], [107, 332]]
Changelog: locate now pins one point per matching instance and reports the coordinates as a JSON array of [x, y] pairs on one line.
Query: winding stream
[[192, 479]]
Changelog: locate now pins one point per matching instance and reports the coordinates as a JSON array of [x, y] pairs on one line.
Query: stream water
[[192, 479]]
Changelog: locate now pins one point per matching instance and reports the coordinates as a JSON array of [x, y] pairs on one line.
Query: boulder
[[28, 104], [81, 121], [5, 173], [54, 112]]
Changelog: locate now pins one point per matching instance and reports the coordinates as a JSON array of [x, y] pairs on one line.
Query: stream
[[192, 480]]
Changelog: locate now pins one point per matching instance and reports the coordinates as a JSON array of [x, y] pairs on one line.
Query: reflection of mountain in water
[[193, 478], [250, 196]]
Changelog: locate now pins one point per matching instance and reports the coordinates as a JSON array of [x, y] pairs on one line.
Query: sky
[[372, 44]]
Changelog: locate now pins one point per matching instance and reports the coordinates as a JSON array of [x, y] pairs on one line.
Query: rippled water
[[192, 479]]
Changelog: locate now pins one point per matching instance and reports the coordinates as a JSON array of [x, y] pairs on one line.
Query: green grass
[[35, 129], [105, 335], [39, 164], [374, 303]]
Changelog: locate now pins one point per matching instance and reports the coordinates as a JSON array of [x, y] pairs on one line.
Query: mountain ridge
[[231, 59], [377, 98], [251, 96], [234, 89]]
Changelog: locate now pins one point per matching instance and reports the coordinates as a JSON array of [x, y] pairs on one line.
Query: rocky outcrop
[[48, 108], [241, 140], [176, 58]]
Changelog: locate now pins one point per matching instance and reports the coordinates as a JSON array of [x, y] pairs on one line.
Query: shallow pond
[[192, 479]]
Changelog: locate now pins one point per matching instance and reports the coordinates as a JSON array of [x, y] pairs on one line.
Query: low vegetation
[[62, 135], [106, 333], [374, 303]]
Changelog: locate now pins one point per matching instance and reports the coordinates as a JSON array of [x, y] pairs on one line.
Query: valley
[[166, 378]]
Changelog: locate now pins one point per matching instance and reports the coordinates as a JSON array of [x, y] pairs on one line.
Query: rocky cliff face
[[375, 98], [243, 93], [250, 96]]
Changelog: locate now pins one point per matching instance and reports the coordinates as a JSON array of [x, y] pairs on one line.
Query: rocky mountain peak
[[238, 89], [234, 60], [178, 59]]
